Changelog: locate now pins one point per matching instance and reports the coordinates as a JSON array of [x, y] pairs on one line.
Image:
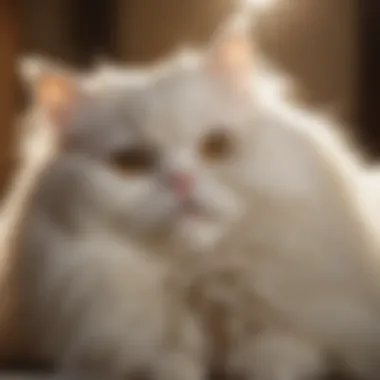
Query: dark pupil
[[217, 145], [135, 160]]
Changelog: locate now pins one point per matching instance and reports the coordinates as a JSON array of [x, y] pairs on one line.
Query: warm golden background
[[315, 41]]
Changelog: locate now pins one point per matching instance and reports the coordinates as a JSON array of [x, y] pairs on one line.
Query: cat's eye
[[134, 160], [217, 145]]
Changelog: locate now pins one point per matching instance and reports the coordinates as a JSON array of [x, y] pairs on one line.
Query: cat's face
[[142, 175], [150, 180]]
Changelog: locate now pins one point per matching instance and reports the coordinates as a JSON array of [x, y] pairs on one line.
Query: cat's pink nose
[[182, 183]]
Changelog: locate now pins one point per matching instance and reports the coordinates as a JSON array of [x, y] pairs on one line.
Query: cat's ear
[[55, 94], [231, 54], [52, 89]]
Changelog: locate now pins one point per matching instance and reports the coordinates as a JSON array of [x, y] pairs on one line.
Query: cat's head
[[110, 176], [107, 174], [167, 157], [116, 174]]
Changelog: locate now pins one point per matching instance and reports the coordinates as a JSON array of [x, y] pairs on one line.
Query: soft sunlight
[[259, 4]]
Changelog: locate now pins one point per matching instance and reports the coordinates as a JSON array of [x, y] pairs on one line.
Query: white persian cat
[[278, 255]]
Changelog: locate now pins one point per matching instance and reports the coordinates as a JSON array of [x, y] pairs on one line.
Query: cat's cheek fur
[[137, 203]]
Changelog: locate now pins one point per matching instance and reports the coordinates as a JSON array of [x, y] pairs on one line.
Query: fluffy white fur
[[287, 276], [371, 183]]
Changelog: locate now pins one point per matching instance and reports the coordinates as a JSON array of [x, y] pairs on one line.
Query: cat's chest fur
[[270, 279]]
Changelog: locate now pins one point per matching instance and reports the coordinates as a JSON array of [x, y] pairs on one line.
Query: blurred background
[[329, 47]]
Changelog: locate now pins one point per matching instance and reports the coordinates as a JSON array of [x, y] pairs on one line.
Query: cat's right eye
[[134, 161], [217, 145]]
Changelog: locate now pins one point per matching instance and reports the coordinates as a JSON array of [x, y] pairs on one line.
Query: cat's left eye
[[217, 145], [134, 160]]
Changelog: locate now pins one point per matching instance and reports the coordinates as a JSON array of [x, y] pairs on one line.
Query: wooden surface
[[369, 84], [46, 27], [147, 31], [24, 376], [8, 51]]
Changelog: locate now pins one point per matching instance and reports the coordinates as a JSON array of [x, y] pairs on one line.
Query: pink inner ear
[[234, 54], [54, 95], [232, 59]]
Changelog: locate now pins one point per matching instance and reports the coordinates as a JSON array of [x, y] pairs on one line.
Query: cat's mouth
[[199, 227], [193, 209]]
